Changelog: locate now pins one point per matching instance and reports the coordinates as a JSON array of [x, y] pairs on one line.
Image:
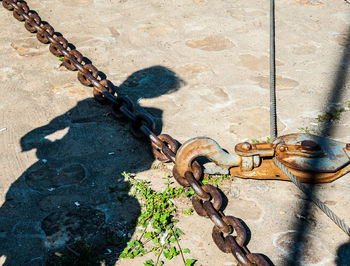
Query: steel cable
[[273, 112], [273, 130], [339, 222]]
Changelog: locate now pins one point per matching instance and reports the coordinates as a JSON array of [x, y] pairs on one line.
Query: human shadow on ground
[[343, 255], [74, 198], [302, 226]]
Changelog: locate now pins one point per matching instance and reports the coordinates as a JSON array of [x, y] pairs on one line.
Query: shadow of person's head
[[343, 255], [150, 82], [147, 83]]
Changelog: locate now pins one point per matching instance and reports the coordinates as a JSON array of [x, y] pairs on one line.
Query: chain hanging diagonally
[[274, 132], [164, 146], [207, 203]]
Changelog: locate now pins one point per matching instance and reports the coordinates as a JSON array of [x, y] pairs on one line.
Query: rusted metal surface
[[308, 152], [104, 91], [164, 139], [298, 151], [348, 146], [203, 146], [208, 203], [268, 170], [310, 158], [164, 146], [262, 149]]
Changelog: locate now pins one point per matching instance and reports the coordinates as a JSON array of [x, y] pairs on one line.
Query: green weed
[[216, 180], [307, 130], [159, 234], [254, 141], [331, 115], [189, 192], [188, 212]]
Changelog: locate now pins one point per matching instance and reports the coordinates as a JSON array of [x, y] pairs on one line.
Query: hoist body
[[312, 159]]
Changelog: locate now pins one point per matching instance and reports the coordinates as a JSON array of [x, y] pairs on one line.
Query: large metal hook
[[209, 148]]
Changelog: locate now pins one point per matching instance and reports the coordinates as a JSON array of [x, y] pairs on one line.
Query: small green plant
[[188, 212], [159, 233], [254, 141], [215, 180], [331, 115], [348, 104], [189, 192], [168, 181], [158, 165], [61, 58], [307, 130]]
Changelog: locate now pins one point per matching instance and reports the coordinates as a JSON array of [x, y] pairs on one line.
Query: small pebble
[[3, 129], [77, 203]]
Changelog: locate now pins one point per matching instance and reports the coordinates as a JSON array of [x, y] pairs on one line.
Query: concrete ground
[[202, 70]]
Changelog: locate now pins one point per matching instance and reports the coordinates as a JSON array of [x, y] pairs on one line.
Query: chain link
[[214, 193], [164, 146], [208, 201]]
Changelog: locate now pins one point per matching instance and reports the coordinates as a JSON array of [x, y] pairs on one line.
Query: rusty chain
[[208, 200], [208, 203], [104, 90]]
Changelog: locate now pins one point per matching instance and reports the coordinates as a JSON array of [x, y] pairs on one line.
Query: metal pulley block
[[310, 158]]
